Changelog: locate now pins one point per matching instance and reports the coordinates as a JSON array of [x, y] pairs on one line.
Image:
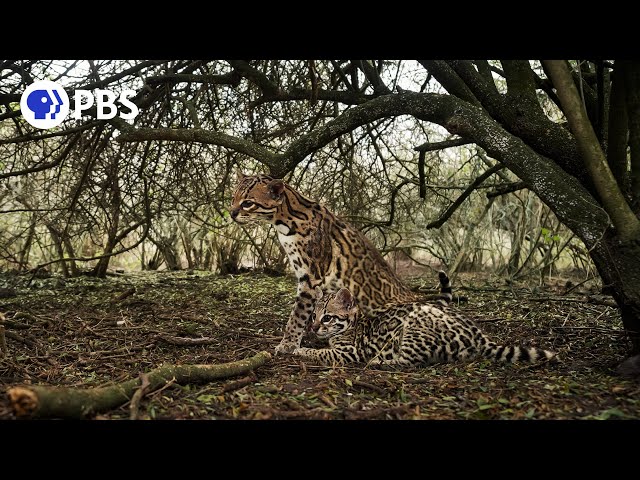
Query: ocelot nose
[[234, 213]]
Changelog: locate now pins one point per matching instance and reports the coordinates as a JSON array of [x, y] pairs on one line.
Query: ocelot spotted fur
[[409, 334], [323, 250]]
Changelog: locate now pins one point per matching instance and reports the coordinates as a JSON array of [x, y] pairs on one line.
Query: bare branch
[[340, 96], [450, 80], [455, 205], [507, 188], [45, 166], [432, 146], [255, 75], [545, 178], [484, 69], [231, 78], [520, 79], [121, 236], [373, 76], [264, 155], [129, 71], [63, 133]]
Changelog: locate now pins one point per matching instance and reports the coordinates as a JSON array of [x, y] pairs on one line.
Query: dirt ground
[[88, 332]]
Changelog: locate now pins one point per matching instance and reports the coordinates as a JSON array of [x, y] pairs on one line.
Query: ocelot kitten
[[409, 334], [323, 250]]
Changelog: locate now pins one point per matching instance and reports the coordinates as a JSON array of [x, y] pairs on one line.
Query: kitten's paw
[[285, 347]]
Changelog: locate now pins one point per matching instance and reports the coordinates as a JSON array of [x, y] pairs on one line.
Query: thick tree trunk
[[23, 257], [100, 270], [619, 267], [73, 266]]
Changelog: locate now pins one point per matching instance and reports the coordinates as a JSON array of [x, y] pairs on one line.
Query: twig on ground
[[327, 401], [350, 414], [134, 406], [314, 413], [21, 339], [125, 294], [597, 301], [611, 331], [184, 341], [11, 324], [368, 386], [238, 384]]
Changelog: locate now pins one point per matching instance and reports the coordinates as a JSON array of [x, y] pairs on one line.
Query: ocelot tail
[[323, 250], [409, 334]]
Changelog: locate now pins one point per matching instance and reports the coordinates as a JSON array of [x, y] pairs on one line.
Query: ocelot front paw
[[285, 347]]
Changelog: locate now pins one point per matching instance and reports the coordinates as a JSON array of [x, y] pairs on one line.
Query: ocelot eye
[[246, 204], [327, 319]]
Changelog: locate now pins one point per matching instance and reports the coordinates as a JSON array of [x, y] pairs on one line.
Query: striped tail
[[446, 292], [513, 354]]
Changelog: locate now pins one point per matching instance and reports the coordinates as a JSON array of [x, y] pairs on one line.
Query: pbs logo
[[44, 104]]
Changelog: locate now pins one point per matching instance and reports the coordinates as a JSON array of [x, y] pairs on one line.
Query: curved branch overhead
[[471, 123]]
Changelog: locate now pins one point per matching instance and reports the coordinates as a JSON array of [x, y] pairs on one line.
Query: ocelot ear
[[345, 299], [319, 294], [240, 176], [276, 187]]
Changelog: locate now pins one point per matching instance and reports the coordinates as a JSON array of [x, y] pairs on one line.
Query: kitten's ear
[[318, 293], [276, 187], [345, 299], [240, 176]]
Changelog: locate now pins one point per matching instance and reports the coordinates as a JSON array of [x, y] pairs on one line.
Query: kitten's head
[[256, 198], [334, 313]]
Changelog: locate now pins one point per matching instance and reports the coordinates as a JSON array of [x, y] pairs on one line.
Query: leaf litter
[[87, 332]]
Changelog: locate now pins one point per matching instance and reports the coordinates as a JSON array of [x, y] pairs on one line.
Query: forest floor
[[88, 332]]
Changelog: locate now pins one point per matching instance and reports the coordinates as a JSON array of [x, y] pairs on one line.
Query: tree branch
[[602, 95], [623, 218], [573, 205], [525, 120], [484, 69], [422, 181], [373, 76], [340, 96], [432, 146], [450, 80], [546, 86], [232, 78], [632, 88], [507, 188], [10, 97], [455, 205], [121, 236], [256, 76], [520, 79], [263, 154], [129, 71], [30, 137], [486, 93], [68, 402], [618, 129], [45, 166], [394, 194]]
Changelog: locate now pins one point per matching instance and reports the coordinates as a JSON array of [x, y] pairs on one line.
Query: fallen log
[[63, 402]]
